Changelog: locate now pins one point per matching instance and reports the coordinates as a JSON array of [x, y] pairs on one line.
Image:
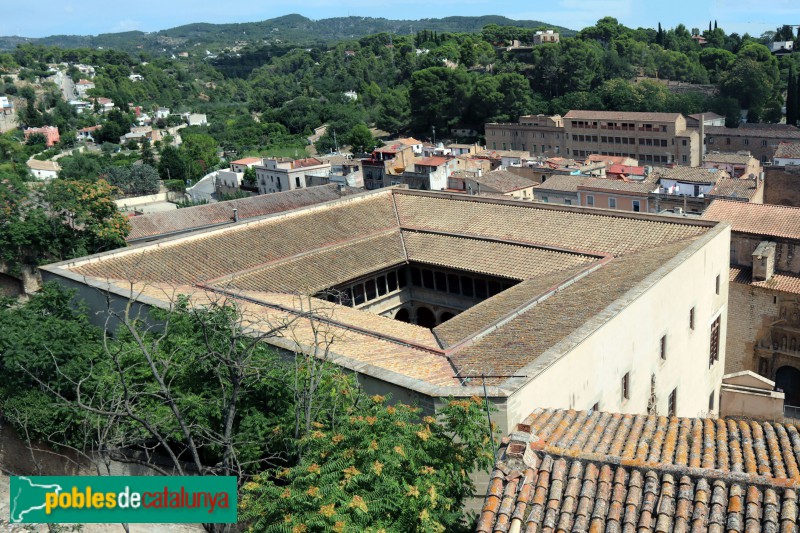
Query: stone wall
[[782, 186], [751, 310]]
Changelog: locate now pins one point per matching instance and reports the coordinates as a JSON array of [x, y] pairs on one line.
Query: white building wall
[[629, 342], [786, 161]]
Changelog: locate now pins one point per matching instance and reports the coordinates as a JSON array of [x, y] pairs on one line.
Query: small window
[[612, 203], [494, 288], [381, 281], [747, 142], [596, 407], [691, 318], [371, 293], [636, 206], [567, 201], [441, 281], [717, 284], [466, 286], [416, 277], [684, 142], [427, 279], [763, 143], [684, 158], [391, 280], [452, 284], [626, 393], [402, 278], [544, 199], [713, 355], [673, 402], [590, 200], [663, 347], [358, 294], [297, 182], [480, 289]]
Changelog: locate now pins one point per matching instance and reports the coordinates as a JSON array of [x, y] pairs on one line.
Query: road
[[67, 86]]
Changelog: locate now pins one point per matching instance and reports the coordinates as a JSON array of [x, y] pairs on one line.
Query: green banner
[[117, 499]]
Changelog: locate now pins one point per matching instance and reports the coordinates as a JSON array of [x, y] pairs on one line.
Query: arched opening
[[787, 379], [426, 318], [403, 315], [445, 317]]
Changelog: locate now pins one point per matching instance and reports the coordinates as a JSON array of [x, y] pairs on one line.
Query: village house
[[83, 86], [547, 36], [87, 134], [386, 163], [283, 174], [737, 164], [499, 182], [50, 134], [43, 170], [787, 154], [761, 140]]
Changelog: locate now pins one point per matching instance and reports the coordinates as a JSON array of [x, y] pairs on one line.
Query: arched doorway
[[787, 379], [403, 315], [445, 317], [426, 318]]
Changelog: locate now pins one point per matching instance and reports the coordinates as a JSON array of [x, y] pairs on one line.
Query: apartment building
[[761, 140], [651, 138]]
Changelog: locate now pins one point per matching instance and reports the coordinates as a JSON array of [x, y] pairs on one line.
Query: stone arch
[[787, 379], [426, 318], [403, 315], [444, 317]]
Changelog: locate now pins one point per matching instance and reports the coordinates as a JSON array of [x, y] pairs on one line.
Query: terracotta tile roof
[[537, 224], [562, 183], [735, 188], [709, 115], [611, 159], [638, 188], [622, 115], [626, 169], [212, 254], [579, 471], [780, 281], [756, 219], [266, 262], [311, 273], [757, 133], [35, 164], [246, 161], [432, 161], [788, 150], [181, 220], [691, 174], [555, 318], [486, 257], [503, 181], [728, 157]]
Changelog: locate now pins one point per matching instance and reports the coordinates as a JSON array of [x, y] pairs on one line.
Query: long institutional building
[[429, 295], [650, 138]]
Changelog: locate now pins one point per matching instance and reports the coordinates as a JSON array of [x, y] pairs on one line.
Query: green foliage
[[200, 154], [387, 467], [81, 166], [181, 204], [361, 139], [172, 165], [134, 180]]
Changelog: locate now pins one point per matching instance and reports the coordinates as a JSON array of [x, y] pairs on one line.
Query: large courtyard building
[[651, 138], [430, 295]]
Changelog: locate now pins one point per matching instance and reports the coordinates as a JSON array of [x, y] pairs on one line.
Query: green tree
[[172, 164], [147, 153], [388, 468], [792, 96], [200, 151], [439, 97], [80, 166], [361, 139]]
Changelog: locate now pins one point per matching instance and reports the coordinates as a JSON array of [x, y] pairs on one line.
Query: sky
[[39, 18]]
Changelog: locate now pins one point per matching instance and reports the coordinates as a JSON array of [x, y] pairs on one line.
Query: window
[[684, 158], [370, 289], [452, 284], [664, 347], [391, 279], [673, 402], [727, 140], [612, 203], [480, 289], [717, 284], [402, 278], [713, 355], [684, 142], [297, 182], [416, 277], [441, 281], [427, 279], [691, 318], [636, 206], [567, 201], [381, 285], [544, 199], [358, 294], [711, 402], [596, 407], [590, 200], [626, 393], [711, 140], [747, 142], [494, 288], [764, 142], [466, 286]]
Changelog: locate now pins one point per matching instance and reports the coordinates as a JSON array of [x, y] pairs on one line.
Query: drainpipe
[[235, 215]]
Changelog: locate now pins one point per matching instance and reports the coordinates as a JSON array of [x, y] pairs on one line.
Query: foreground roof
[[562, 268], [756, 219], [591, 471], [202, 216]]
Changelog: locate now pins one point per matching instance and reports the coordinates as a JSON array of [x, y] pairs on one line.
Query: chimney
[[702, 137], [764, 261], [235, 215]]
